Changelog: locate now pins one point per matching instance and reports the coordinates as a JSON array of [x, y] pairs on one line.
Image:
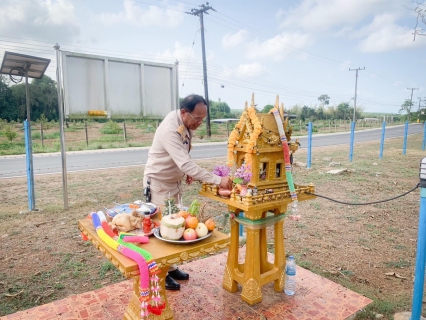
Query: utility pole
[[411, 101], [356, 83], [200, 13]]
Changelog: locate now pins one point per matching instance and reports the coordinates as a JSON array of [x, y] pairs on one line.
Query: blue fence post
[[419, 275], [30, 176], [424, 137], [351, 145], [309, 160], [382, 140], [404, 148]]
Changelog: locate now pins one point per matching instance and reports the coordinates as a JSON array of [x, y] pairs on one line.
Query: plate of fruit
[[184, 226], [190, 234]]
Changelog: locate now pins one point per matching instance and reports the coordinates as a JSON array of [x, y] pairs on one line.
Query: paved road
[[15, 166]]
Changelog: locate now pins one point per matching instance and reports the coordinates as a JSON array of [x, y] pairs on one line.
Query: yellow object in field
[[97, 113]]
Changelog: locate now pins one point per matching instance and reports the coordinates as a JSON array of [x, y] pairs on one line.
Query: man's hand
[[226, 183], [189, 179]]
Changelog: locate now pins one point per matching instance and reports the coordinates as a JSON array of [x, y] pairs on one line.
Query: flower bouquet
[[242, 177], [223, 171]]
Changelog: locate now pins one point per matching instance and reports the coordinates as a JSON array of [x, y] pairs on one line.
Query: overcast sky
[[296, 49]]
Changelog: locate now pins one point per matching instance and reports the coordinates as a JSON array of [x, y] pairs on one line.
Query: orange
[[210, 224], [183, 214], [191, 222]]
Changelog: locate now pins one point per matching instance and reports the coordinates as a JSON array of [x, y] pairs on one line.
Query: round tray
[[125, 208], [181, 240]]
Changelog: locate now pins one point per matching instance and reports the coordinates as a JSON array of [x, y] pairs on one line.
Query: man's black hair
[[189, 102]]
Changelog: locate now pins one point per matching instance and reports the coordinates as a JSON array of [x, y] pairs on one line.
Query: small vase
[[243, 190], [224, 192]]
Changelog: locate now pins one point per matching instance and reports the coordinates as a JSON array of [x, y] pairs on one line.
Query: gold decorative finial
[[281, 109], [252, 100], [277, 102], [246, 106]]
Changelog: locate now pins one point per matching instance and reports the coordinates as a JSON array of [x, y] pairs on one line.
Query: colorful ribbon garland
[[147, 267], [286, 151]]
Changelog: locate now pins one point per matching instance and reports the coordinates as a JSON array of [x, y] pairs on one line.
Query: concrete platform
[[202, 297]]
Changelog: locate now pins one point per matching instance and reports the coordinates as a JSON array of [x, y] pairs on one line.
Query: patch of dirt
[[369, 249]]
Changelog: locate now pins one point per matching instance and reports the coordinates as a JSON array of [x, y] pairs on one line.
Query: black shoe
[[178, 274], [171, 284]]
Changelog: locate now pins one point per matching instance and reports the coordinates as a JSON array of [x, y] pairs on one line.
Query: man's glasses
[[196, 119]]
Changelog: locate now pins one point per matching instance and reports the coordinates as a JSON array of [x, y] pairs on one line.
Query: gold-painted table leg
[[133, 310], [232, 262], [279, 261], [252, 289]]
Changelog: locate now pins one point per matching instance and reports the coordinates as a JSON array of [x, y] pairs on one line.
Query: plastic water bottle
[[290, 276]]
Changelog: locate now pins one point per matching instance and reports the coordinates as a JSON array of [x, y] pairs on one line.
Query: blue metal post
[[309, 160], [351, 145], [30, 176], [404, 148], [382, 140], [421, 246], [424, 137]]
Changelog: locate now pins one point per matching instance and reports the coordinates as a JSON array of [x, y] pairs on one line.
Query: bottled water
[[290, 276]]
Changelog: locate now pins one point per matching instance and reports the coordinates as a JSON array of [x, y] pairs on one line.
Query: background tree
[[267, 108], [8, 108], [406, 107], [43, 99], [420, 10], [325, 99], [343, 110]]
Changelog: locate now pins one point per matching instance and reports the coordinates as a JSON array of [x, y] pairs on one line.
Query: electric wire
[[365, 203], [128, 54], [254, 31], [190, 55]]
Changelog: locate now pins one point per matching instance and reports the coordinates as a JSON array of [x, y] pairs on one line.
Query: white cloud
[[252, 70], [321, 15], [53, 20], [277, 47], [345, 65], [134, 14], [233, 40], [179, 52], [377, 24], [384, 34]]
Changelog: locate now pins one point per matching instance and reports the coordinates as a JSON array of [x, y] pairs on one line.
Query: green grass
[[398, 264]]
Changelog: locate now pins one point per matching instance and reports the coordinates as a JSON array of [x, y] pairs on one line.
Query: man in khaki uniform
[[169, 161]]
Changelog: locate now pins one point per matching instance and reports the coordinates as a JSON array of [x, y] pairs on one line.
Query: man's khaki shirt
[[168, 157]]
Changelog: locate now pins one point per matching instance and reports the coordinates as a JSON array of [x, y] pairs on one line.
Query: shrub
[[9, 133], [111, 127]]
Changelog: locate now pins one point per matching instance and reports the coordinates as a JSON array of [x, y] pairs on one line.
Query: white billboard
[[123, 88]]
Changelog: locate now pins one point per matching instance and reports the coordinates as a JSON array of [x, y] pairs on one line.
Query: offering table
[[165, 254]]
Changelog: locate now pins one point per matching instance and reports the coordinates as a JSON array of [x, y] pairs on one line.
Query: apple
[[189, 234], [201, 230]]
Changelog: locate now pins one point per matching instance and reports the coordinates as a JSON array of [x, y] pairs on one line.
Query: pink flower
[[243, 174], [221, 171]]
